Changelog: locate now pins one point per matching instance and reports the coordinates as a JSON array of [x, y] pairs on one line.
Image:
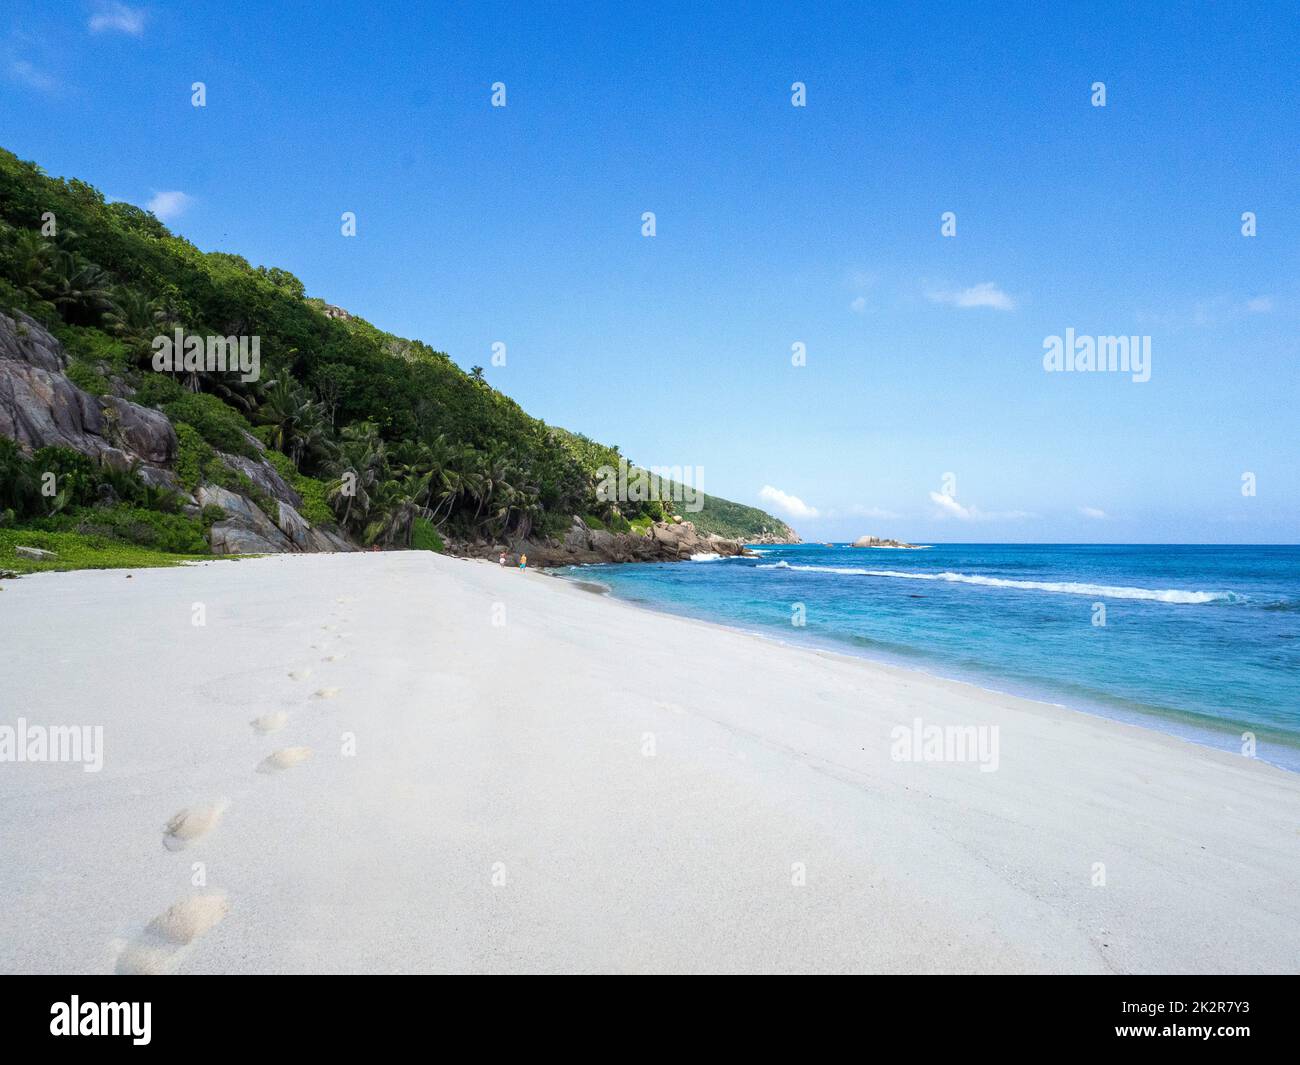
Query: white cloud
[[115, 17], [949, 505], [169, 205], [21, 70], [862, 282], [1094, 512], [983, 295], [1209, 313], [784, 503]]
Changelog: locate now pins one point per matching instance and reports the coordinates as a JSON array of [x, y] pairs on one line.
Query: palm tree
[[18, 486], [357, 472], [81, 290], [34, 262], [397, 504], [135, 317], [298, 422]]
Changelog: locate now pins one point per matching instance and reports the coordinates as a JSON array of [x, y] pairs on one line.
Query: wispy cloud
[[863, 282], [27, 73], [784, 503], [1096, 513], [1208, 313], [986, 294], [117, 18], [948, 505], [169, 205]]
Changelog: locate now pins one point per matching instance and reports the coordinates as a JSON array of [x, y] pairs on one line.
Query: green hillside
[[384, 436]]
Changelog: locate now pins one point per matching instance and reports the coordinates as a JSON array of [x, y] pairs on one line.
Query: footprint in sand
[[160, 947], [270, 722], [191, 824], [329, 628], [284, 758], [327, 693], [300, 674], [333, 658]]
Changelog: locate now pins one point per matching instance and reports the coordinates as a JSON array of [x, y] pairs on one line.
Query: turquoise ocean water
[[1201, 641]]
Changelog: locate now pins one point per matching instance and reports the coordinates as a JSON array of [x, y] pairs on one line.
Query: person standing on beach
[[502, 559], [523, 561]]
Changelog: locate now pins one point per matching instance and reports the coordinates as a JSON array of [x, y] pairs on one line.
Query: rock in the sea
[[873, 541]]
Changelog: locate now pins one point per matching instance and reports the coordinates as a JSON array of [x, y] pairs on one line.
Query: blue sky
[[775, 225]]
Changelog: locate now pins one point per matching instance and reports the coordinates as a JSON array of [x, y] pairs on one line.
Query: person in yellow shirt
[[523, 561]]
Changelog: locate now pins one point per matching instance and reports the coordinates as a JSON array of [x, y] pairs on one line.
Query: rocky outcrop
[[247, 529], [23, 339], [873, 541], [244, 521], [140, 430], [787, 537], [41, 407], [322, 539], [665, 541], [264, 476]]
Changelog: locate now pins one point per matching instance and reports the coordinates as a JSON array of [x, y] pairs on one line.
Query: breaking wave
[[1103, 591]]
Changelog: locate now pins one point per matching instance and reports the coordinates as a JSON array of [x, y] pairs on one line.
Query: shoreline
[[1190, 728], [660, 794]]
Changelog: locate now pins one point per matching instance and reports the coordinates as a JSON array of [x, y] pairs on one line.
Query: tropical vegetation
[[384, 436]]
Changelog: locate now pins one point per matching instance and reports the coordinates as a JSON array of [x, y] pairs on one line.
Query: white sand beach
[[585, 787]]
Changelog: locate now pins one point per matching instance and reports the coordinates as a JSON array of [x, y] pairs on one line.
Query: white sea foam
[[1103, 591]]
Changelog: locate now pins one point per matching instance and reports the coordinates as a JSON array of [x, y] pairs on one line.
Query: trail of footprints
[[162, 944]]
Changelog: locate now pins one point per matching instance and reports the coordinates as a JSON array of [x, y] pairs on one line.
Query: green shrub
[[315, 494], [76, 477], [93, 346], [555, 525], [81, 551], [193, 455], [86, 377], [424, 537], [221, 426], [158, 389], [172, 533]]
